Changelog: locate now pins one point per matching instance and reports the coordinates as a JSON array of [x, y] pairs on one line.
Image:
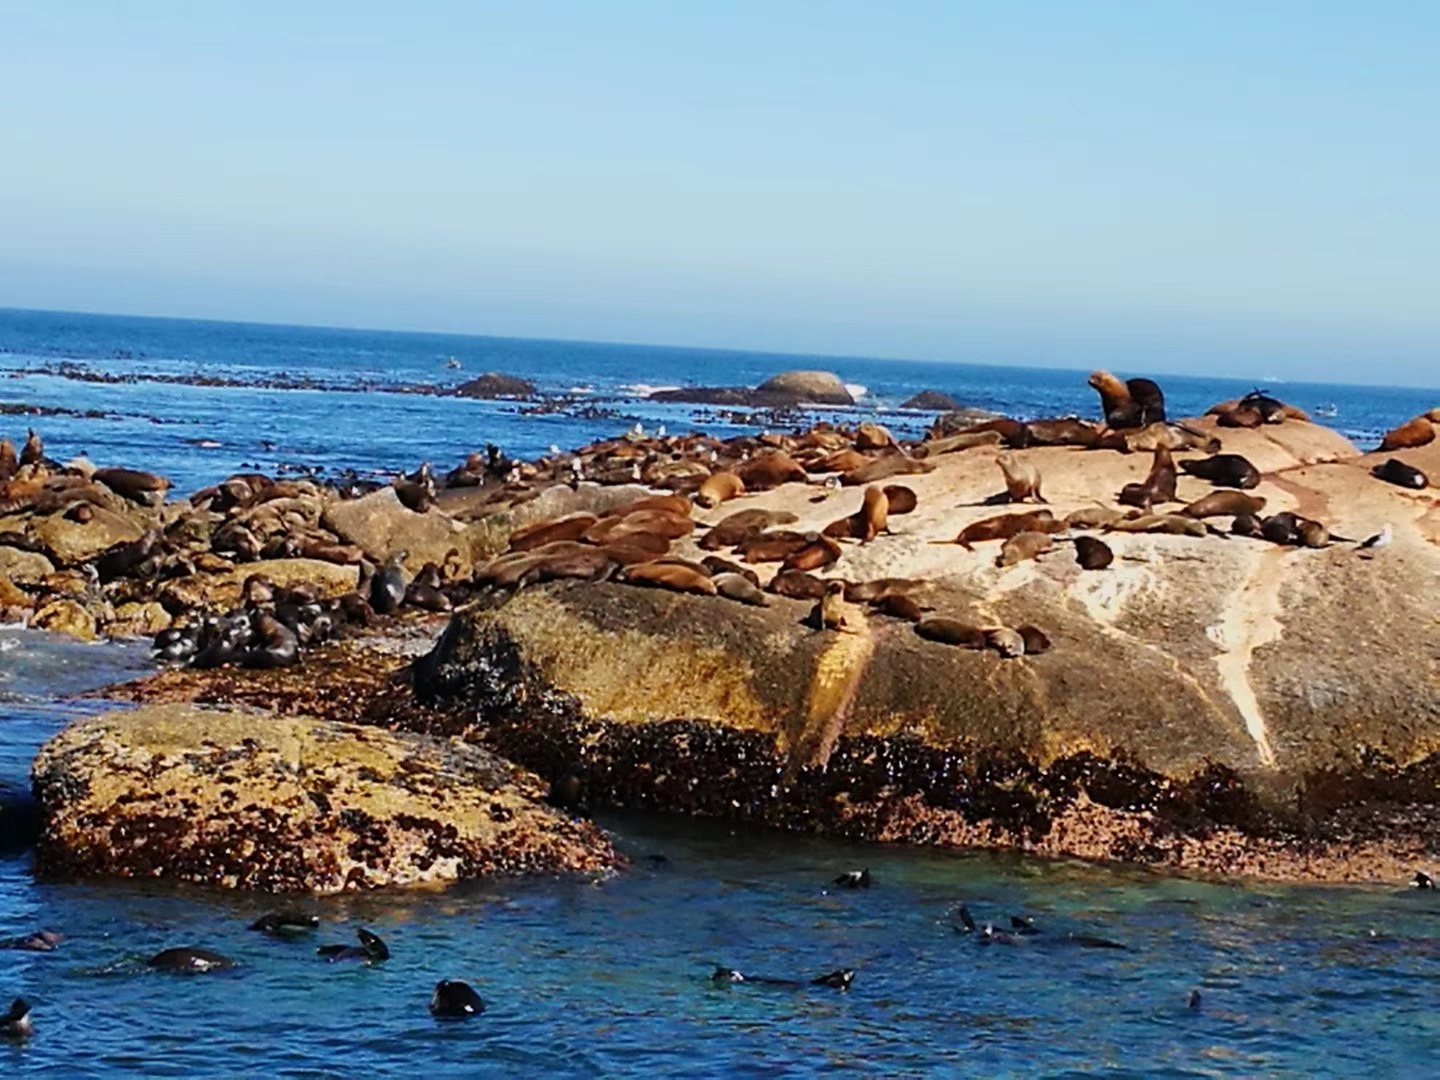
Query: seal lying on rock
[[1224, 470], [1395, 471]]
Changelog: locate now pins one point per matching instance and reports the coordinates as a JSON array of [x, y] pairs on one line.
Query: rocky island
[[1061, 636]]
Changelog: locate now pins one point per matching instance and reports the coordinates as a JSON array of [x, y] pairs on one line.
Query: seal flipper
[[967, 921], [16, 1023], [836, 980]]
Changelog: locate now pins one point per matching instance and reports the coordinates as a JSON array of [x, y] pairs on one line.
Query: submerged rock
[[788, 389], [244, 800], [932, 401]]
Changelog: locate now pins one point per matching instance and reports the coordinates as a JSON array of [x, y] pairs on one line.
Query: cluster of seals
[[1253, 410], [1134, 403], [1008, 642]]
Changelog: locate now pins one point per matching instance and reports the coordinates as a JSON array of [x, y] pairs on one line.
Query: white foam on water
[[856, 390], [644, 389]]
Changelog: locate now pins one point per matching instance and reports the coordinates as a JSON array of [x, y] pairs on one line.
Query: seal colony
[[839, 543]]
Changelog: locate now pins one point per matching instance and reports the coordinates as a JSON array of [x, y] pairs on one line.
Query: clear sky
[[1179, 186]]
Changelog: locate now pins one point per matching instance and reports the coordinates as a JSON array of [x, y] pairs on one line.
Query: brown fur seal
[[954, 443], [1065, 431], [1005, 526], [1224, 470], [1247, 525], [866, 523], [797, 585], [546, 532], [1281, 528], [1022, 479], [1418, 431], [635, 547], [1092, 553], [1395, 471], [831, 612], [9, 462], [1173, 524], [773, 546], [1008, 643], [1159, 485], [1170, 436], [1312, 534], [715, 566], [139, 487], [839, 461], [678, 505], [873, 437], [1024, 546], [1130, 404], [948, 631], [900, 499], [1036, 640], [1095, 517], [1226, 503], [742, 525], [817, 554], [33, 452], [869, 592], [884, 468], [765, 471], [741, 588], [654, 522], [900, 606], [719, 487], [669, 576]]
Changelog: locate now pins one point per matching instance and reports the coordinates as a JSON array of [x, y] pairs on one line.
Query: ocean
[[610, 977]]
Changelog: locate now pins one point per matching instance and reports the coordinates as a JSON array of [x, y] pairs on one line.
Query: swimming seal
[[455, 1001], [835, 980], [189, 961], [371, 949], [40, 941], [1422, 880], [16, 1023], [1093, 553], [1022, 479], [285, 924], [854, 879], [1395, 471]]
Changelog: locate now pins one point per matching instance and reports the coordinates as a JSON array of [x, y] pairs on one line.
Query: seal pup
[[455, 1001], [948, 631], [1022, 479], [831, 612], [285, 924], [900, 499], [1024, 546], [1395, 471], [16, 1023], [1092, 553], [1036, 641], [189, 961], [854, 879], [740, 587], [387, 588], [1008, 643], [1229, 503], [1224, 471], [371, 949]]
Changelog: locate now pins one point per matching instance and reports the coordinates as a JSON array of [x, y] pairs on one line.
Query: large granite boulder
[[1207, 700], [380, 525], [786, 390], [73, 542], [931, 401], [494, 385], [25, 567], [243, 800]]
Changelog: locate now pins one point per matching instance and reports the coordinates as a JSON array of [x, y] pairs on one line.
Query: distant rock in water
[[787, 389], [494, 385], [932, 401]]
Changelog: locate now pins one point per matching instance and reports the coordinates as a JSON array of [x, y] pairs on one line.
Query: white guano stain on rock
[[1249, 620]]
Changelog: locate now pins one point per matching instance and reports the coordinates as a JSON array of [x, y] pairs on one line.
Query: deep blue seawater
[[610, 977]]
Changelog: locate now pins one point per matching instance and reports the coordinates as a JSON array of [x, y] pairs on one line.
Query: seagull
[[660, 432], [1379, 541], [554, 450]]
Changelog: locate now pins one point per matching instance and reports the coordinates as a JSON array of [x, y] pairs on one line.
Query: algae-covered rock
[[25, 567], [72, 542], [65, 617], [495, 385], [242, 800]]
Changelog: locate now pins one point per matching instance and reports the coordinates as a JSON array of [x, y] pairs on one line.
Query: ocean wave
[[644, 389], [856, 390]]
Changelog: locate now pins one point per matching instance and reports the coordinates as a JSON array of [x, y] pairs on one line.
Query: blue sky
[[1176, 186]]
